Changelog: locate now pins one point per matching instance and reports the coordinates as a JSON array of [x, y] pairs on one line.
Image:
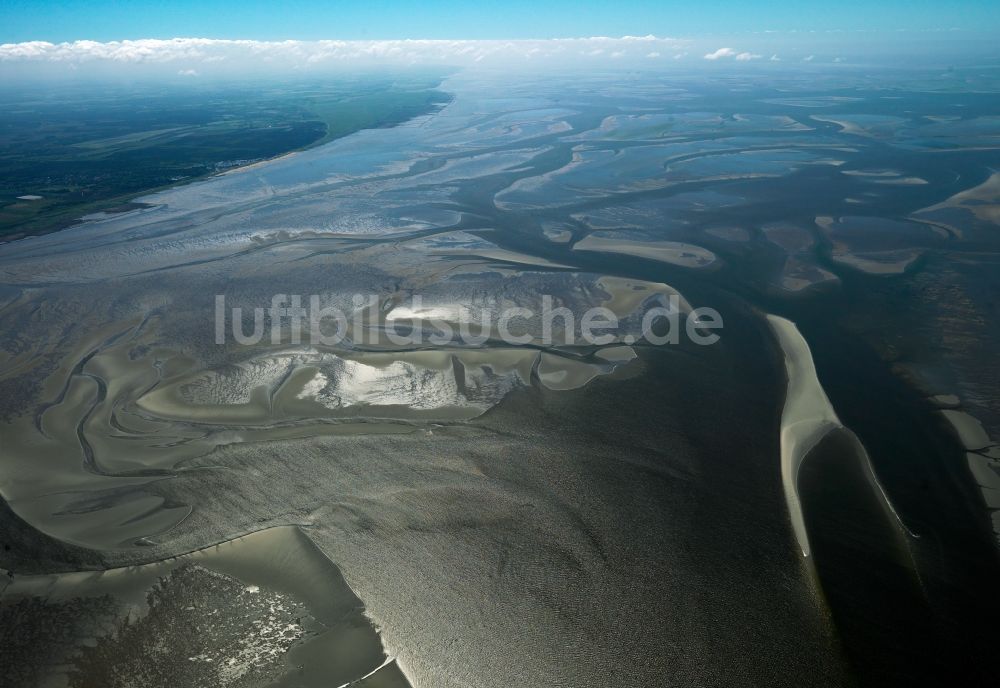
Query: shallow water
[[551, 511]]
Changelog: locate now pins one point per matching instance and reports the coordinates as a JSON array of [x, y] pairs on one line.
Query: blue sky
[[102, 20], [184, 39]]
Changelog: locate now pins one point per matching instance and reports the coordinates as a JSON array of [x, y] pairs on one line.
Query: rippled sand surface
[[541, 513]]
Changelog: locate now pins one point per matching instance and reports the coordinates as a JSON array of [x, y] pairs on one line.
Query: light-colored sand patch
[[876, 262], [799, 275], [902, 181], [429, 385], [983, 201], [946, 400], [241, 169], [464, 244], [863, 243], [885, 177], [845, 126], [420, 385], [274, 584], [985, 471], [554, 315], [806, 418], [626, 295], [511, 257], [556, 233], [970, 430], [988, 191], [672, 252], [558, 373], [871, 126], [824, 221], [992, 452], [871, 173]]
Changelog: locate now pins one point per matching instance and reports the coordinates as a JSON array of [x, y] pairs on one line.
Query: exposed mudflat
[[512, 505]]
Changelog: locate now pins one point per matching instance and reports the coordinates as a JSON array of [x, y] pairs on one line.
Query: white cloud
[[810, 58], [720, 53], [202, 53], [211, 58]]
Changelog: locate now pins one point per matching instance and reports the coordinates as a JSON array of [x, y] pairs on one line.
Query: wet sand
[[533, 514], [283, 615]]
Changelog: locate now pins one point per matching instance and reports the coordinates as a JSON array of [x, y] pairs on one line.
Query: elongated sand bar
[[806, 418]]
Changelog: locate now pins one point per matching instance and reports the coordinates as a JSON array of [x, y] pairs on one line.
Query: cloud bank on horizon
[[305, 53], [208, 56], [197, 56]]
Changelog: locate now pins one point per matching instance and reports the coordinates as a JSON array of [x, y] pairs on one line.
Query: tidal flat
[[790, 505]]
